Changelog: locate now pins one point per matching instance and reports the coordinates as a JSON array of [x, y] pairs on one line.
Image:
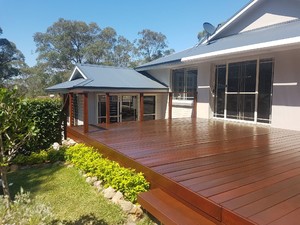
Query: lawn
[[72, 200]]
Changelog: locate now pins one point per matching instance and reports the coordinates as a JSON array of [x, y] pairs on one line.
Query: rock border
[[134, 212]]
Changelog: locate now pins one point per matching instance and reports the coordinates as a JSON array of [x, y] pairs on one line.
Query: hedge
[[125, 180], [46, 113]]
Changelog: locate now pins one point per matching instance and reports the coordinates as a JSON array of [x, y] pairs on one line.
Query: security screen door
[[243, 91]]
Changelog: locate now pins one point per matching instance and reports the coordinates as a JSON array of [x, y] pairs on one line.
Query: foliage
[[71, 199], [43, 156], [46, 113], [11, 60], [24, 211], [68, 42], [152, 45], [91, 162], [15, 130]]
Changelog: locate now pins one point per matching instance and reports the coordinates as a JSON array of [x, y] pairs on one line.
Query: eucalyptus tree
[[152, 45], [11, 60]]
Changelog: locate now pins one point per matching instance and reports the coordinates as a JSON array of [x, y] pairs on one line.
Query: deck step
[[169, 210]]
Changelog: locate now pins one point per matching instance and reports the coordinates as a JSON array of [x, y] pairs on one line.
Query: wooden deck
[[228, 172]]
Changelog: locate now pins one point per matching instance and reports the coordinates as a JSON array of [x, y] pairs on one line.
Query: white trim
[[265, 45], [232, 20], [203, 87], [285, 84], [82, 74]]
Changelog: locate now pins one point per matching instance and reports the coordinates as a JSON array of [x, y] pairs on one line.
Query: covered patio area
[[229, 173]]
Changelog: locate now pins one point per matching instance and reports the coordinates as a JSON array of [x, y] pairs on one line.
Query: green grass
[[72, 200]]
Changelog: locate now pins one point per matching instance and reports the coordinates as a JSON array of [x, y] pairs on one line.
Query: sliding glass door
[[243, 91]]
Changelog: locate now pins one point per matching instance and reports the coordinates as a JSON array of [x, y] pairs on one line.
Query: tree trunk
[[3, 171], [5, 182]]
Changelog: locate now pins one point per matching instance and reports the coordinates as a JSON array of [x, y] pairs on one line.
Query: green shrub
[[43, 156], [24, 211], [56, 155], [46, 113], [87, 159]]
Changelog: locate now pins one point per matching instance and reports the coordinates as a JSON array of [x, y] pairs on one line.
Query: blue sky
[[179, 20]]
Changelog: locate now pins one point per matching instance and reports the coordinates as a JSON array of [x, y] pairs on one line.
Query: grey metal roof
[[271, 33], [109, 78]]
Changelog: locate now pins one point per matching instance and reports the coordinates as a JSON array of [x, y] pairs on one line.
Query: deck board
[[233, 172]]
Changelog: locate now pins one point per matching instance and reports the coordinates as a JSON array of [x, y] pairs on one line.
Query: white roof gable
[[258, 14]]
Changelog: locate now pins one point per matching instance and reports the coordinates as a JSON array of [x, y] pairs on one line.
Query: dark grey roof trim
[[259, 36]]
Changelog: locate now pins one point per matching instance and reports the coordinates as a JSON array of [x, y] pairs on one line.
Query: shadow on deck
[[228, 173]]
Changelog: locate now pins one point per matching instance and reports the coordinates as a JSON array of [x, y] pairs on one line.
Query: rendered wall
[[286, 91], [161, 106], [203, 108]]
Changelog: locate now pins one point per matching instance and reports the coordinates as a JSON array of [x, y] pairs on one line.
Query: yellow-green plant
[[128, 181]]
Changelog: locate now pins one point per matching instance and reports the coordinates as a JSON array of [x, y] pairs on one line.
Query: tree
[[11, 60], [15, 130], [152, 45], [64, 43], [68, 42], [110, 49], [201, 35]]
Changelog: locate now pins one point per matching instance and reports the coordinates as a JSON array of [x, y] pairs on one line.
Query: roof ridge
[[103, 66]]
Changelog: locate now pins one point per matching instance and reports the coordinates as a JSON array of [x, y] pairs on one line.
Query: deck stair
[[170, 211]]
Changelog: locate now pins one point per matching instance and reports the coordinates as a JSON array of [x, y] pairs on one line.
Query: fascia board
[[74, 71], [240, 13], [260, 46]]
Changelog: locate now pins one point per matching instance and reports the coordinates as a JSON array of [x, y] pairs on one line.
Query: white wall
[[286, 90], [163, 75], [161, 106], [79, 120], [204, 72]]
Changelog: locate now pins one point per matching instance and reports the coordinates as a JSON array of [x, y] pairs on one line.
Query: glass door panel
[[241, 107], [220, 91], [129, 108], [241, 90], [265, 91], [149, 108], [114, 109]]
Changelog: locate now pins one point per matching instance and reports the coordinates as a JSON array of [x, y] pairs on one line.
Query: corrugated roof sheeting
[[109, 77], [263, 35]]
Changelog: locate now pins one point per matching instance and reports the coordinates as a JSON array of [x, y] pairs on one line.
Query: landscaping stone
[[69, 142], [88, 180], [136, 210], [125, 205], [139, 212], [117, 197], [97, 183], [109, 193], [94, 179], [56, 146]]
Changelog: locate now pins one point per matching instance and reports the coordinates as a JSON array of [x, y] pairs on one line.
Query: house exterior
[[101, 94], [245, 71]]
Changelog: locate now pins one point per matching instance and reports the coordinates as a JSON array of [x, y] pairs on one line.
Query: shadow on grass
[[86, 220], [31, 179]]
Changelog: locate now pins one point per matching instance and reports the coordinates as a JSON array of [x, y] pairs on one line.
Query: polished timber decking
[[230, 173]]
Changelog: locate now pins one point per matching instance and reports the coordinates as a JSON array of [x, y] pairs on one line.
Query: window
[[184, 83], [149, 108]]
